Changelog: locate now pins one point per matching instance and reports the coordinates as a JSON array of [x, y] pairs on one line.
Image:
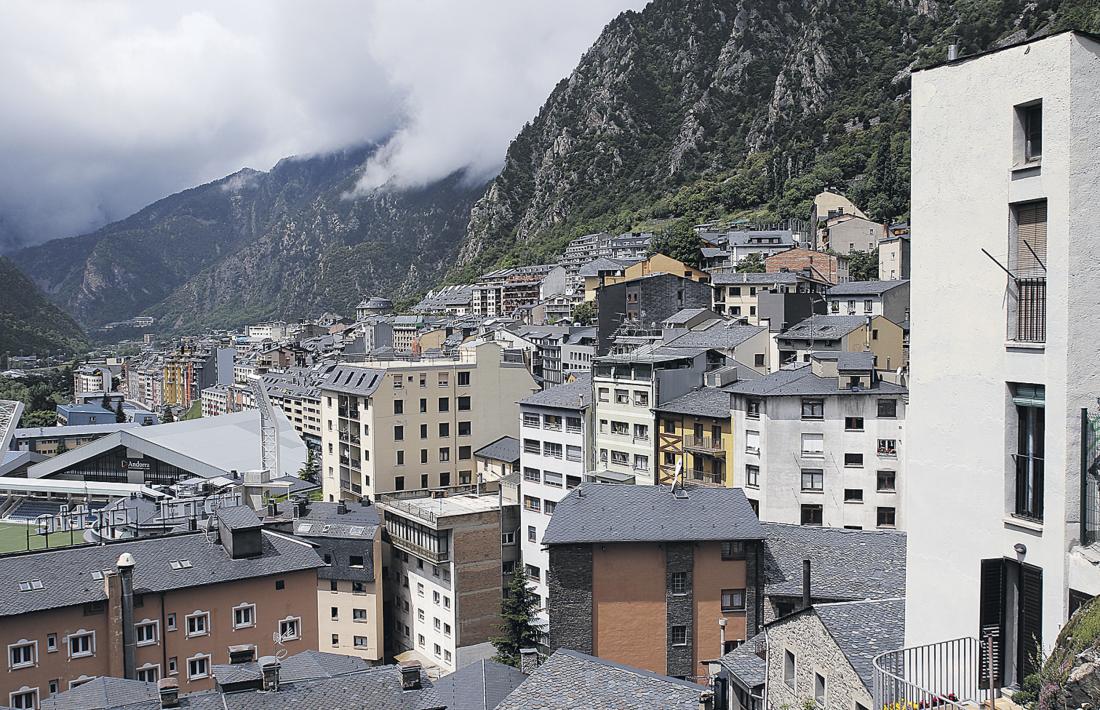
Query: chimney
[[806, 583], [528, 660], [341, 508], [706, 699], [169, 692], [272, 509], [269, 670], [242, 653], [125, 566], [410, 675]]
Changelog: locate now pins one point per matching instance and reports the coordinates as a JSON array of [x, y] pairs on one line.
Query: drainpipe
[[125, 566]]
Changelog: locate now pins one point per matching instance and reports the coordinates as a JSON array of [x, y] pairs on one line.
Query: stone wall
[[815, 652], [570, 580], [680, 557]]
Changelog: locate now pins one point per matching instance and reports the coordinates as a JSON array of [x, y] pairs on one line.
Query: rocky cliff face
[[712, 108], [287, 243]]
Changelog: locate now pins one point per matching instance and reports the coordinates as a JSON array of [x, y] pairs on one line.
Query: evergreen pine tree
[[168, 416], [311, 469], [120, 416], [517, 629], [106, 403]]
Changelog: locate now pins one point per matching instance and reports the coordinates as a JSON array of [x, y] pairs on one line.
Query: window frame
[[199, 657], [196, 615]]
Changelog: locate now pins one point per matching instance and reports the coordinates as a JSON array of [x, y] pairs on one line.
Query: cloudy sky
[[108, 106]]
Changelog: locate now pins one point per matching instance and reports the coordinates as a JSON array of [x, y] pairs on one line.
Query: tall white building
[[1004, 211], [556, 437]]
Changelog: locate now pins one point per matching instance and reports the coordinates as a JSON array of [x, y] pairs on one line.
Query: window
[[423, 431], [420, 640], [532, 503], [148, 674], [752, 476], [886, 517], [146, 632], [853, 423], [398, 433], [508, 538], [531, 420], [602, 394], [24, 699], [532, 534], [887, 408], [853, 460], [1029, 402], [641, 432], [400, 460], [356, 561], [813, 408], [733, 600], [419, 614], [359, 588], [464, 379], [552, 450], [573, 453], [813, 446], [548, 506], [23, 654], [198, 667], [290, 628], [853, 495], [464, 428], [398, 406], [888, 447], [361, 642], [444, 404], [531, 474], [788, 668], [532, 572], [444, 454], [641, 463], [552, 422], [335, 640], [81, 644], [446, 629], [622, 397], [172, 666], [51, 643], [678, 583], [819, 689], [170, 622], [444, 430], [463, 404], [423, 405], [620, 428], [641, 398], [752, 408], [446, 602], [335, 611], [752, 442], [758, 360], [678, 635], [733, 550], [886, 481], [573, 425], [419, 589], [198, 624], [620, 458], [813, 479], [1031, 120], [811, 515], [423, 459], [532, 446]]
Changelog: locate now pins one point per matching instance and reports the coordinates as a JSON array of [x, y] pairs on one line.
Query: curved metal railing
[[947, 675]]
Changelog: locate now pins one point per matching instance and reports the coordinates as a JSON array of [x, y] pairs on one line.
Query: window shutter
[[1031, 618], [1031, 227], [991, 618]]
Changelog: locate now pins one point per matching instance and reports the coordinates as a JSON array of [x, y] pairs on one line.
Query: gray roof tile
[[863, 630], [702, 402], [726, 335], [66, 574], [801, 380], [506, 448], [610, 512], [754, 279], [238, 517], [574, 681], [844, 564], [865, 288], [821, 327], [359, 381], [571, 395], [743, 663], [482, 685]]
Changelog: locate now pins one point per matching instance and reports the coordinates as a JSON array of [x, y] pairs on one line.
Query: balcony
[[704, 444], [705, 477], [1031, 310], [949, 674]]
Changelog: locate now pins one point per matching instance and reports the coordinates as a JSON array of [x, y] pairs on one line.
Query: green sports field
[[13, 538]]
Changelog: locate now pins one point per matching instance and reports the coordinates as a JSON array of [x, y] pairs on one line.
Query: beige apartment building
[[414, 424]]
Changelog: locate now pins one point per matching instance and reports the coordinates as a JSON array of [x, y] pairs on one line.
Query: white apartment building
[[822, 444], [555, 453], [870, 298], [445, 573], [215, 400], [414, 424], [1001, 540], [626, 388], [275, 330]]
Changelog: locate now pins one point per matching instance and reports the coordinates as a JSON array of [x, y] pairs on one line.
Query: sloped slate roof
[[359, 381], [863, 630], [702, 402], [506, 448], [238, 517], [66, 573], [802, 381], [727, 334], [103, 693], [851, 362], [844, 564], [756, 279], [482, 685], [570, 395], [574, 681], [609, 512], [821, 327], [865, 288], [743, 663]]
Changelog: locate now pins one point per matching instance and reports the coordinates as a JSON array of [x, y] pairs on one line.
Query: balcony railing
[[948, 674], [709, 477], [704, 443]]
